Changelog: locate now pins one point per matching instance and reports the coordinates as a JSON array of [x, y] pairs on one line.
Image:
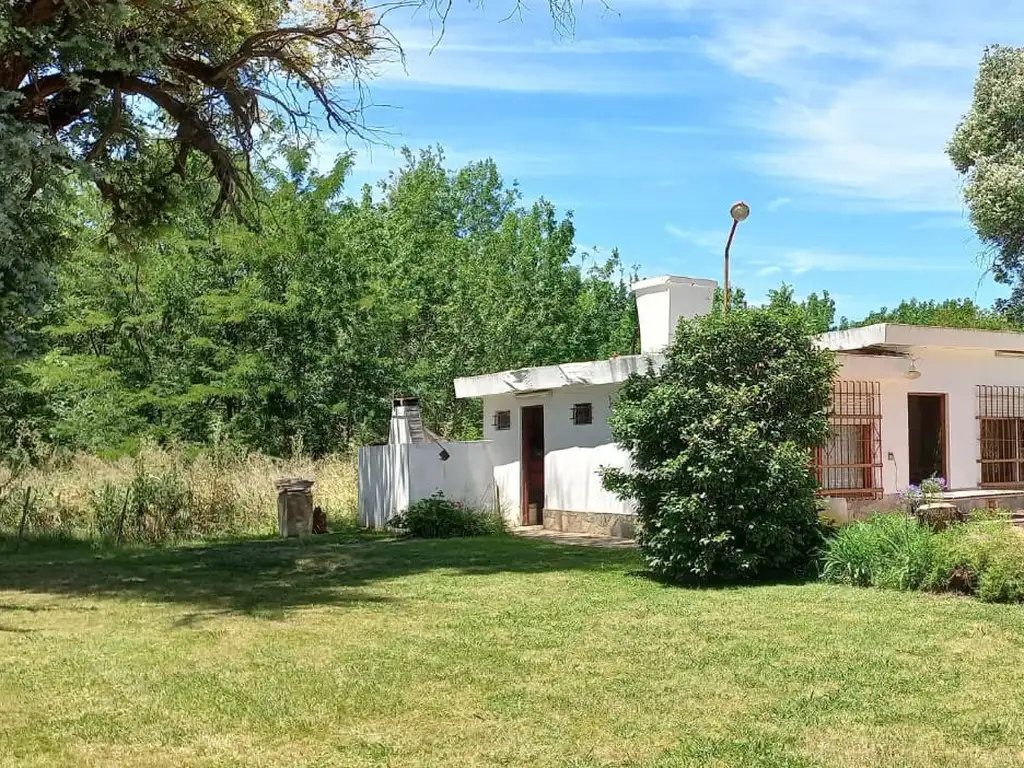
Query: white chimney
[[661, 302]]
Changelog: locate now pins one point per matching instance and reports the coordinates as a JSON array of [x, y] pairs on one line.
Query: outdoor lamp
[[912, 372], [739, 212]]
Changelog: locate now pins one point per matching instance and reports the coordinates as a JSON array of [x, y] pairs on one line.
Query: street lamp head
[[739, 211]]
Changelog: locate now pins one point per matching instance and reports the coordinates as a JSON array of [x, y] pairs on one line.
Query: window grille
[[850, 461], [1001, 435], [502, 420], [583, 413]]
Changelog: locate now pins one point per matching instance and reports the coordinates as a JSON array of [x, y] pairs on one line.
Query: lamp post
[[739, 212]]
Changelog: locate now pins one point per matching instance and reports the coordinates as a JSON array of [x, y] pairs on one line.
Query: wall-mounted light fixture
[[912, 373]]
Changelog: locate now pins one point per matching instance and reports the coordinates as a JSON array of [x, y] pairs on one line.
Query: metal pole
[[728, 245]]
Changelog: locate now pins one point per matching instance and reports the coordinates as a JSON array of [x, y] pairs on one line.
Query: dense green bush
[[440, 518], [894, 551], [983, 557], [720, 440]]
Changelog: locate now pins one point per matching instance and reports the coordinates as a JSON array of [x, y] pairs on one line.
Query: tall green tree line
[[304, 328]]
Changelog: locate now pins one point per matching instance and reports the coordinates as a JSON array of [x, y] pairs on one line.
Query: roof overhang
[[548, 377], [891, 337]]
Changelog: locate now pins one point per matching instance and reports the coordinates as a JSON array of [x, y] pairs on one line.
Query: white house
[[909, 402]]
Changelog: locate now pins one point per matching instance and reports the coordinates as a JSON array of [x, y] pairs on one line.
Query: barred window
[[582, 414], [1001, 435], [850, 461], [502, 420]]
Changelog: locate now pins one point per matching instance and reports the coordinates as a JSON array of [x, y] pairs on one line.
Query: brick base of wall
[[597, 523]]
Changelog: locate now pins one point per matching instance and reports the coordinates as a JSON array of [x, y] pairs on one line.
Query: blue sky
[[828, 117]]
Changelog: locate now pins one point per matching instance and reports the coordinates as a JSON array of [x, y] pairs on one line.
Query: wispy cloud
[[708, 240], [801, 260], [779, 202], [482, 54], [862, 95], [768, 271]]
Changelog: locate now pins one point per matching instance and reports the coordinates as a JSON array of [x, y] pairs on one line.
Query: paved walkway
[[576, 539]]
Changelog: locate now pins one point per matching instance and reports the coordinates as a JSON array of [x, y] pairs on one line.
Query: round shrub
[[720, 440], [438, 517]]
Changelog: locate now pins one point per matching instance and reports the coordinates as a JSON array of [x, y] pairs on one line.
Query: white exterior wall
[[953, 372], [573, 454], [393, 476]]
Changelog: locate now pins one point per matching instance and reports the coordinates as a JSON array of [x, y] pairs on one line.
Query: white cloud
[[800, 260], [768, 271], [858, 97], [779, 202]]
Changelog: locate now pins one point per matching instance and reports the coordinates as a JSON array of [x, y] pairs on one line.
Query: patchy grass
[[481, 652]]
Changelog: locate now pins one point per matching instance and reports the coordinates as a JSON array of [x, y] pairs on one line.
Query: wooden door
[[532, 465]]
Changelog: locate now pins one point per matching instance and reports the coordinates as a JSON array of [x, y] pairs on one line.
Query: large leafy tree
[[305, 329], [720, 442], [98, 76], [988, 149]]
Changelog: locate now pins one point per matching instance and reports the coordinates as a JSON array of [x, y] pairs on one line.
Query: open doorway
[[532, 465], [926, 425]]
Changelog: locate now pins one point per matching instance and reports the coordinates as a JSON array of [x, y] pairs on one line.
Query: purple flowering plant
[[928, 492]]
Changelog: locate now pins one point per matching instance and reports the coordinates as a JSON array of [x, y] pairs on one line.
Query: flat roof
[[895, 335], [611, 371], [881, 337]]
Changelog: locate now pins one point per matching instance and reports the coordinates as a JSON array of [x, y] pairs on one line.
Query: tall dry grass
[[167, 495]]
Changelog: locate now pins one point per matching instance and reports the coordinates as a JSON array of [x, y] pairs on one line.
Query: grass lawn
[[500, 652]]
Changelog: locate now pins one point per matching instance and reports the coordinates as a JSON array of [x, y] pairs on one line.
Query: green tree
[[303, 331], [95, 78], [950, 313], [987, 149], [720, 442], [818, 311]]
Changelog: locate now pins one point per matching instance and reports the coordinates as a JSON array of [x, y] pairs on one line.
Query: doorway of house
[[927, 432], [532, 463]]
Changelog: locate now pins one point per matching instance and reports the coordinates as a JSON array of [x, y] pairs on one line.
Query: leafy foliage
[[950, 313], [720, 443], [440, 518], [99, 77], [983, 557], [987, 148], [302, 332], [892, 550]]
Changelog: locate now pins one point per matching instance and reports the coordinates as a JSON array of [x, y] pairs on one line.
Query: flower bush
[[438, 517]]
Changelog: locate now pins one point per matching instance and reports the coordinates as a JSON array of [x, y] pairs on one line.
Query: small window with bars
[[583, 413], [502, 420], [1001, 435], [850, 461]]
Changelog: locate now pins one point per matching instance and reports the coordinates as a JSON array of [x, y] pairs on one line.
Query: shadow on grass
[[268, 577]]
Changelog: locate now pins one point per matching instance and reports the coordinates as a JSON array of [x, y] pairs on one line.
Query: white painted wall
[[383, 483], [467, 475], [661, 302], [953, 372], [573, 454], [393, 476]]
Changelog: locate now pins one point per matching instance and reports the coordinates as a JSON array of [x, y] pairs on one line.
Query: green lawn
[[484, 652]]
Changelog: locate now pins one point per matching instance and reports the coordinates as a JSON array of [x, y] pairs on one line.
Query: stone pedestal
[[294, 507], [939, 515]]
